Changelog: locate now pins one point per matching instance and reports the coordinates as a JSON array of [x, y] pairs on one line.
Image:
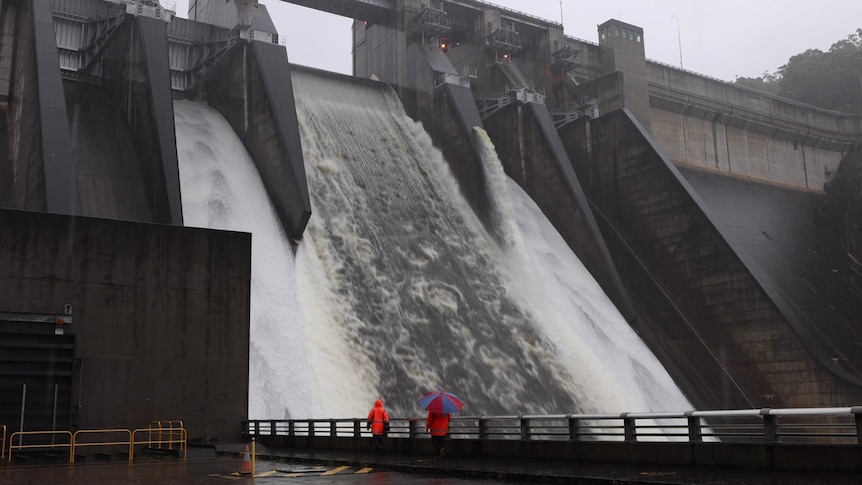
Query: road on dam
[[212, 471]]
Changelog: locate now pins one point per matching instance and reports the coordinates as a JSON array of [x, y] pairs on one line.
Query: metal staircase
[[520, 90]]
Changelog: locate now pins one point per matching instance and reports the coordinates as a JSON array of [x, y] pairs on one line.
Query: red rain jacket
[[437, 424], [378, 417]]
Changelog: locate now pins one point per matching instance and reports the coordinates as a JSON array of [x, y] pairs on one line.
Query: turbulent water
[[396, 288]]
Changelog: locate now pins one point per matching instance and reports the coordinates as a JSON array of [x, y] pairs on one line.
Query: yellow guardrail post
[[253, 456], [3, 443], [171, 436]]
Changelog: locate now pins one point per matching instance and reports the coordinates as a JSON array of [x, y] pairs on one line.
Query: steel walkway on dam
[[368, 10]]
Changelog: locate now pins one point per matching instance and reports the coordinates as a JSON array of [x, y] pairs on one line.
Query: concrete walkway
[[537, 471]]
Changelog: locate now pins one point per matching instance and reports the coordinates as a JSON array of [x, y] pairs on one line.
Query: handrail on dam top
[[835, 425], [518, 12]]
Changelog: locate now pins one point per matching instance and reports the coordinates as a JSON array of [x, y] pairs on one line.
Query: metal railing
[[170, 433], [455, 79], [106, 438], [837, 425], [3, 441], [53, 445], [166, 435]]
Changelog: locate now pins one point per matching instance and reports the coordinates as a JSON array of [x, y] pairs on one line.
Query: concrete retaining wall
[[43, 168], [660, 217], [251, 87], [161, 316], [719, 125], [123, 130]]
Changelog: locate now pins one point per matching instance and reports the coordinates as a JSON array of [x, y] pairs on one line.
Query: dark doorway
[[36, 368]]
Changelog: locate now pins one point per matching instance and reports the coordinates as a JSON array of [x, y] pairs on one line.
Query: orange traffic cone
[[246, 462]]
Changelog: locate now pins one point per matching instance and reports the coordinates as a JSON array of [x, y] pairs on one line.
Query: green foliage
[[831, 80], [767, 82]]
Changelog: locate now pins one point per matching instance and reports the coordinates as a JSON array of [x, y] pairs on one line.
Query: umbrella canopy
[[441, 402]]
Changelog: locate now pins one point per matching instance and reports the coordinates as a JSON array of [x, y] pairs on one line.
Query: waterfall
[[396, 287], [222, 189]]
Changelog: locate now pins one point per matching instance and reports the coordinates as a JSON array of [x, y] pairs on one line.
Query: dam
[[720, 224]]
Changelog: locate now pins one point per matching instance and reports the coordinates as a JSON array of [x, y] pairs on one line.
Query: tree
[[831, 80], [768, 82]]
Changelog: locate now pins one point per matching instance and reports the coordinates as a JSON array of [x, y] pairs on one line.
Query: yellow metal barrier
[[163, 436], [3, 443], [128, 442], [166, 434], [52, 445], [165, 428]]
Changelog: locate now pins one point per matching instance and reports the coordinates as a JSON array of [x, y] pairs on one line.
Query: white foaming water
[[396, 287], [222, 189], [594, 341]]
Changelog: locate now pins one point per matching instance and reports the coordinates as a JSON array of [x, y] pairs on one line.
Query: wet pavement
[[557, 471], [277, 466]]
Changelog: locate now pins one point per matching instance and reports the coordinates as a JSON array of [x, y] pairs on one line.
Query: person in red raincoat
[[378, 421], [438, 426]]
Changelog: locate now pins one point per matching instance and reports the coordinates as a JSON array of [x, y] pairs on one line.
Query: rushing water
[[396, 287]]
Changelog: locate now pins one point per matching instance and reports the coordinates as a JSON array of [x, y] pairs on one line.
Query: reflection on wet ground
[[322, 467], [215, 470]]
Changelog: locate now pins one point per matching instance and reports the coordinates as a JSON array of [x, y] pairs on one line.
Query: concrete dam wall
[[90, 139], [158, 314], [747, 307], [645, 171]]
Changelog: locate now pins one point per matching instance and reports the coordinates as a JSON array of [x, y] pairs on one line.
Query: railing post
[[573, 427], [525, 427], [629, 430], [413, 428], [291, 428], [272, 426], [768, 426], [357, 428], [695, 432], [857, 415], [332, 432], [257, 428], [311, 428], [483, 428]]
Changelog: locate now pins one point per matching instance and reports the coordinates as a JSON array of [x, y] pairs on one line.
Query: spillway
[[397, 288]]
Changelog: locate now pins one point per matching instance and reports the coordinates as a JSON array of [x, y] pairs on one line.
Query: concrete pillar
[[622, 49]]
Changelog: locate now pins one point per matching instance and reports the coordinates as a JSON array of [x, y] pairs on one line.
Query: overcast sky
[[721, 39]]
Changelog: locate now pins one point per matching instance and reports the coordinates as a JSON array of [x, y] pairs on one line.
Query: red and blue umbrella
[[441, 402]]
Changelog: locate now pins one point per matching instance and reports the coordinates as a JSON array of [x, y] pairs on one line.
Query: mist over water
[[396, 287]]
